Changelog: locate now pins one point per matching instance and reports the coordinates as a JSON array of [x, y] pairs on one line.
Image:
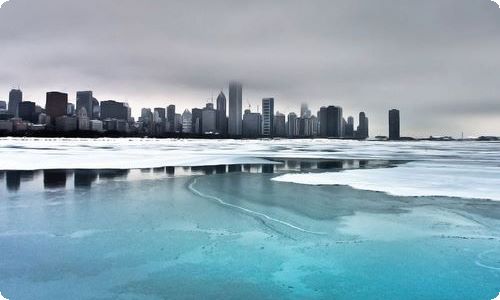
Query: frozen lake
[[191, 219]]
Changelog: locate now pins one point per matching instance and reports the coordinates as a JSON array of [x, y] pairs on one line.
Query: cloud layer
[[438, 61]]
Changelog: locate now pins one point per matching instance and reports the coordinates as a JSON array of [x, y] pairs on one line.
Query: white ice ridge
[[131, 153], [248, 211], [419, 178], [2, 297]]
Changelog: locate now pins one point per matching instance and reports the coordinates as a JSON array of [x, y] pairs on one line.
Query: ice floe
[[476, 181]]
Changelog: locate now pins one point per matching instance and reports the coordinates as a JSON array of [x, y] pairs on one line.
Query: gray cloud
[[438, 61]]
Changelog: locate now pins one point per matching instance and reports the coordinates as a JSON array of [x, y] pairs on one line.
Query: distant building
[[171, 118], [279, 124], [267, 116], [221, 114], [251, 124], [95, 125], [70, 109], [209, 117], [56, 105], [394, 125], [196, 120], [83, 119], [85, 99], [186, 121], [43, 119], [235, 106], [114, 110], [3, 105], [362, 131], [334, 121], [304, 111], [27, 111], [66, 123], [15, 97], [6, 126], [292, 125], [349, 128], [96, 109], [323, 123]]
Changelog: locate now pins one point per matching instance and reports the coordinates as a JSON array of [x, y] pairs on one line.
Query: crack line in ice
[[249, 211]]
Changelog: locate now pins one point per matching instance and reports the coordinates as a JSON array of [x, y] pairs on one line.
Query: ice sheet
[[419, 178], [125, 153]]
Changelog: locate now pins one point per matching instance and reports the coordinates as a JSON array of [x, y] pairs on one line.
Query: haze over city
[[426, 58]]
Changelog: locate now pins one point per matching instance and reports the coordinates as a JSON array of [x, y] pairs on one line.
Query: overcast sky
[[438, 61]]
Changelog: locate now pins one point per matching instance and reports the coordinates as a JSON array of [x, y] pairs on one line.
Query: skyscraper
[[96, 110], [292, 125], [221, 114], [394, 123], [114, 110], [3, 105], [209, 117], [334, 121], [279, 129], [197, 120], [26, 111], [15, 97], [362, 132], [251, 125], [323, 123], [304, 111], [84, 99], [349, 128], [56, 105], [267, 116], [235, 104], [171, 118], [187, 121]]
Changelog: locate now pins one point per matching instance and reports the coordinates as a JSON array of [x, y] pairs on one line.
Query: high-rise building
[[15, 97], [267, 116], [111, 109], [304, 111], [323, 123], [279, 129], [3, 105], [196, 120], [349, 128], [362, 132], [171, 118], [56, 105], [70, 109], [235, 105], [221, 114], [96, 110], [83, 120], [394, 125], [84, 99], [251, 124], [187, 121], [27, 111], [209, 117], [292, 125], [160, 112]]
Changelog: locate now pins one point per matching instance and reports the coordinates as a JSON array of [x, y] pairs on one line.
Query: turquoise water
[[210, 233]]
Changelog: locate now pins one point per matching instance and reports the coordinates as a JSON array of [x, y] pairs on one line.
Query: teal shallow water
[[240, 236]]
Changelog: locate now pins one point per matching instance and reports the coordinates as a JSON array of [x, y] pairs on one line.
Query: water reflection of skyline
[[83, 178]]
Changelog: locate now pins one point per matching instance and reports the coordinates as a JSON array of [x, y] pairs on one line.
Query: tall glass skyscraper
[[235, 103], [394, 130], [15, 97], [267, 116]]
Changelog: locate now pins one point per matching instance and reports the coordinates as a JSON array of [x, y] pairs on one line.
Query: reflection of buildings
[[54, 179], [85, 178]]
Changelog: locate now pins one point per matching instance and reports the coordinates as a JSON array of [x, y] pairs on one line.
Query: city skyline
[[358, 56]]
